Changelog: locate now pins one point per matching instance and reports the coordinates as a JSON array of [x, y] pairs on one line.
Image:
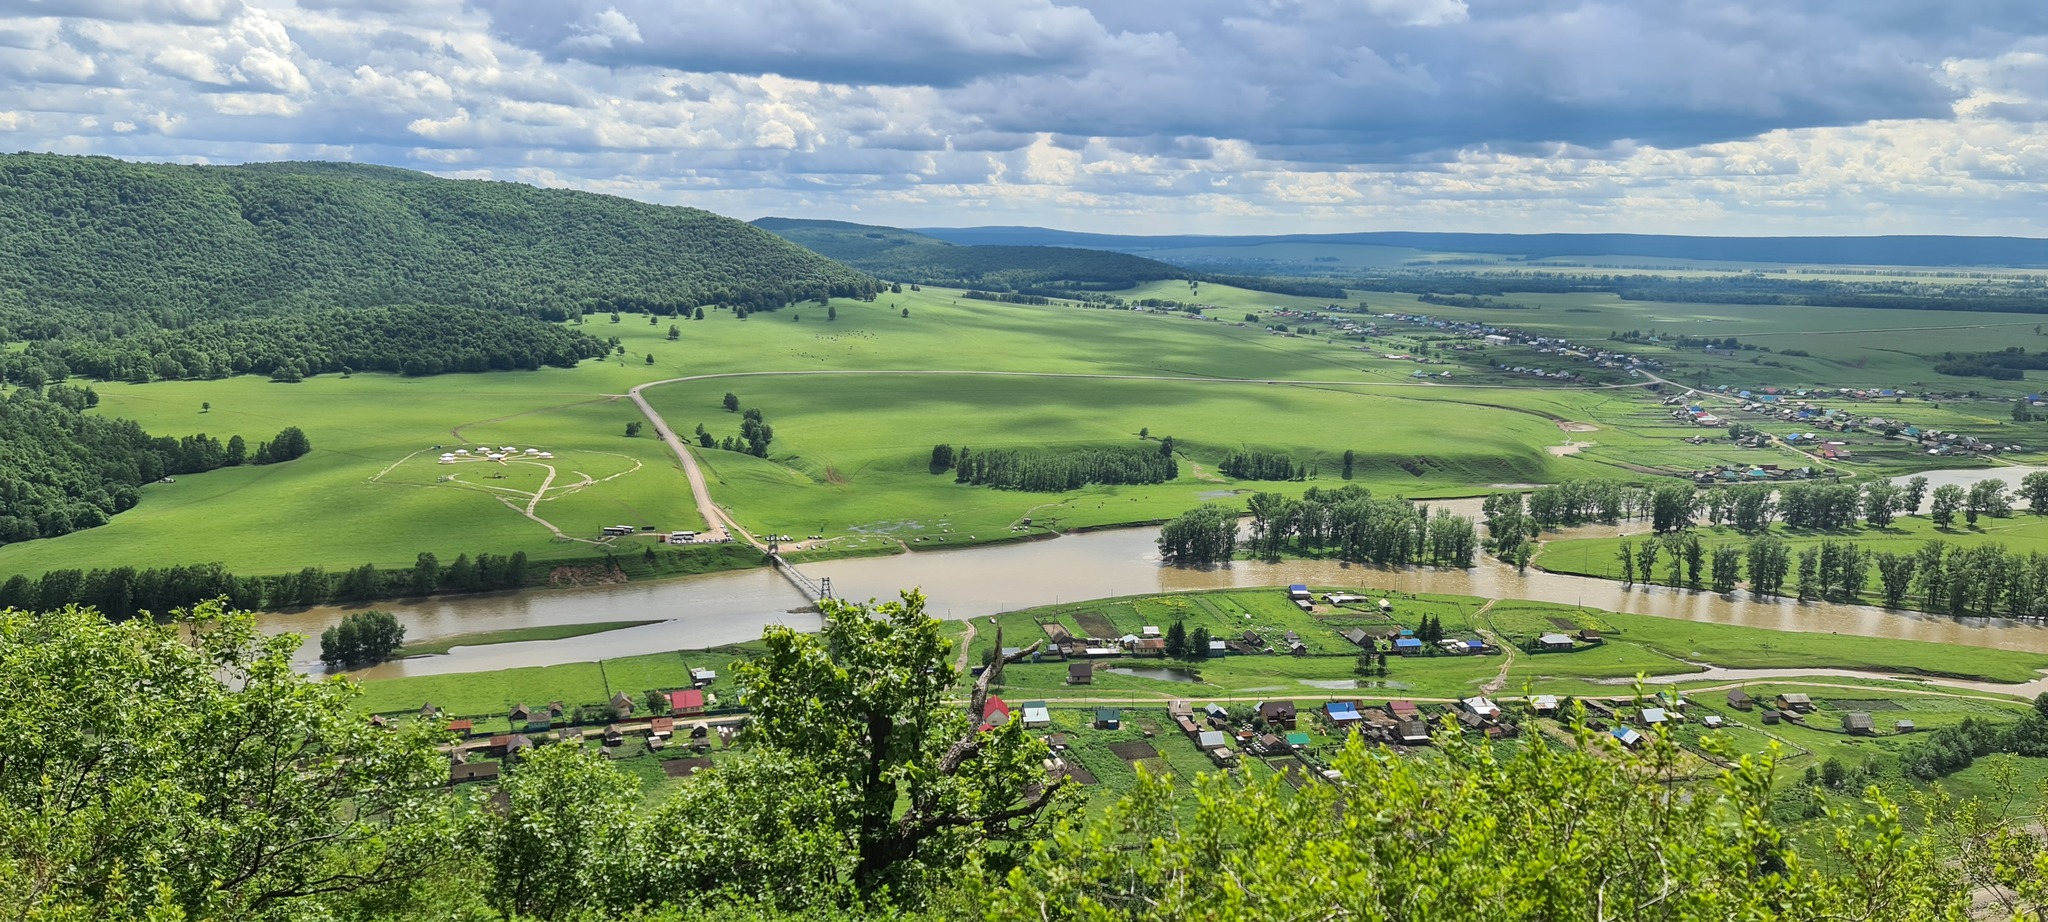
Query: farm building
[[1559, 642], [1740, 700], [1651, 717], [995, 713], [1408, 646], [1037, 715], [1359, 637], [1628, 736], [1298, 592], [1481, 707], [1796, 703], [1903, 726], [1543, 704], [460, 772], [1212, 739], [1216, 711], [622, 704], [1109, 719], [1404, 710], [1080, 674], [1341, 712], [1859, 723], [1414, 732], [686, 701]]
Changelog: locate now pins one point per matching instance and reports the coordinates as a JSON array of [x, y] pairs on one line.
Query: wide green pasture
[[852, 452]]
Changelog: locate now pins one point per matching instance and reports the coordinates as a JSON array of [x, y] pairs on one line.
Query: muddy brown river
[[727, 607]]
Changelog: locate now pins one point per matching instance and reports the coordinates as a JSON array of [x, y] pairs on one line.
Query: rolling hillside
[[167, 244], [908, 256]]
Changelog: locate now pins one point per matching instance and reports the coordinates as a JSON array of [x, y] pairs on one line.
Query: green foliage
[[404, 339], [863, 705], [1261, 465], [1202, 535], [1067, 469], [899, 254], [65, 469], [1536, 832], [290, 444], [1349, 524], [124, 592], [361, 638], [189, 771], [155, 242]]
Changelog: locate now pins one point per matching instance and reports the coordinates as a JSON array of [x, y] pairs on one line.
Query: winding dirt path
[[1485, 629], [716, 518]]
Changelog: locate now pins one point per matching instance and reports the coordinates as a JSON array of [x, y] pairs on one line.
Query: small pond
[[1162, 673]]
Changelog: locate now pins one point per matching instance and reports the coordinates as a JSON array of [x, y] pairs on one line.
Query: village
[[1100, 735]]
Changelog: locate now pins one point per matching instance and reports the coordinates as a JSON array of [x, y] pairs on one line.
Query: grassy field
[[849, 451], [852, 453], [513, 635]]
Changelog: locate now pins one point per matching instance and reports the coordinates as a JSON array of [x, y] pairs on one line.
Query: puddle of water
[[1161, 673]]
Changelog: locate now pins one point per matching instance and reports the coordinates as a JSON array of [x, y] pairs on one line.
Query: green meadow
[[849, 458], [372, 491]]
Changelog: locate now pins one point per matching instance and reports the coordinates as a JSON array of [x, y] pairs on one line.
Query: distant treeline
[[1262, 465], [1006, 297], [1472, 301], [1983, 580], [124, 592], [411, 340], [2017, 295], [1051, 471], [2008, 364], [1305, 288], [64, 469]]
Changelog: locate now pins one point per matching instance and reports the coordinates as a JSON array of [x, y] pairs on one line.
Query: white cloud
[[1214, 115]]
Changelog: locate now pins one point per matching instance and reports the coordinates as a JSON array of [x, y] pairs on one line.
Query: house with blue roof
[[1627, 736], [1408, 646]]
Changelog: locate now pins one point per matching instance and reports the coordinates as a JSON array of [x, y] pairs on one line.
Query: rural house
[[1859, 723], [1109, 719], [1080, 674], [1796, 703], [1277, 713], [1555, 642], [1740, 700], [686, 701]]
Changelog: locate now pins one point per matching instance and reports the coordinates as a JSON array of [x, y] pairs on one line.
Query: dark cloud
[[1381, 77], [880, 42]]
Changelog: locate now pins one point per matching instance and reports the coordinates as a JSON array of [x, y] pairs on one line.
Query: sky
[[1731, 117]]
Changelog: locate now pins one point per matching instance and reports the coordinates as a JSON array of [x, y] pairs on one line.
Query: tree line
[[125, 592], [65, 469], [410, 339], [1054, 470], [1346, 523], [1253, 464]]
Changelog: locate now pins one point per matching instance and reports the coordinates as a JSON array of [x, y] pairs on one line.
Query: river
[[719, 608]]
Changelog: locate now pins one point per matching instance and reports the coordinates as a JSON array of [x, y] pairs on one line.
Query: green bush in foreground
[[185, 771]]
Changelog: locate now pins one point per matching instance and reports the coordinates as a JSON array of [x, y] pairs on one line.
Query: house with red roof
[[686, 701], [994, 714]]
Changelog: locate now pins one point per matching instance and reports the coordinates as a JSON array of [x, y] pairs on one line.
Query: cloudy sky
[[1135, 116]]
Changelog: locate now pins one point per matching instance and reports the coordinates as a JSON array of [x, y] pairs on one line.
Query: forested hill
[[907, 256], [167, 245], [1902, 250]]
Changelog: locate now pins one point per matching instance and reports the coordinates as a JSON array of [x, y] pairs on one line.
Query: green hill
[[908, 256], [169, 244]]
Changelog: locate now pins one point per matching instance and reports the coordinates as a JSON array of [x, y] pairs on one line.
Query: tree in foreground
[[1561, 833], [186, 770]]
